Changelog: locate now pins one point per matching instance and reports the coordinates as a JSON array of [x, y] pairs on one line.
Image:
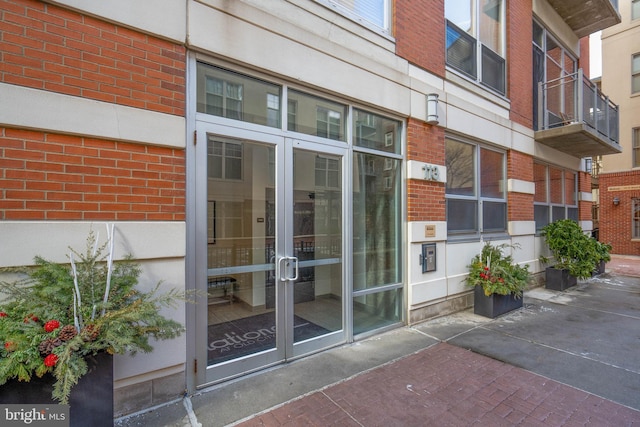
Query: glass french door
[[270, 262]]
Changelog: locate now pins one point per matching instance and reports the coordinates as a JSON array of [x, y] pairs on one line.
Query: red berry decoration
[[50, 360], [9, 346], [51, 325], [3, 314], [30, 317]]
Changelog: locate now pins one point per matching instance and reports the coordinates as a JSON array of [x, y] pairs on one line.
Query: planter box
[[91, 400], [559, 280], [494, 305]]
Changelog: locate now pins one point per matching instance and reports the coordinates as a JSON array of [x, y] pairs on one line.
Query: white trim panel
[[53, 112]]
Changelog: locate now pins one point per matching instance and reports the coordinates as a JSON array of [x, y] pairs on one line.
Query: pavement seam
[[558, 349], [341, 408], [193, 419]]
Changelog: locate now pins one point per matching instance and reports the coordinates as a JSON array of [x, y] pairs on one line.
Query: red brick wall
[[47, 176], [420, 33], [46, 47], [520, 61], [615, 221], [425, 199], [584, 207], [520, 205]]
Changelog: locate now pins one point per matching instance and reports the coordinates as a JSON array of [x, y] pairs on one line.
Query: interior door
[[269, 250]]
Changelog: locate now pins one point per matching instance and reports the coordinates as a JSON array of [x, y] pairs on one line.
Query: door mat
[[253, 334]]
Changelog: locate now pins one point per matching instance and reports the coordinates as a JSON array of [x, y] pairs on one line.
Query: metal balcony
[[587, 17], [575, 117]]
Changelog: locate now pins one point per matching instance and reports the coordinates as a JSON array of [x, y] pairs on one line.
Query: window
[[317, 116], [235, 96], [475, 189], [635, 9], [635, 74], [635, 154], [224, 159], [552, 62], [556, 194], [372, 12], [635, 220], [376, 132], [475, 40], [327, 172]]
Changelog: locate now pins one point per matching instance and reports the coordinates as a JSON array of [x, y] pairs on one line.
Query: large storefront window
[[475, 190], [556, 194]]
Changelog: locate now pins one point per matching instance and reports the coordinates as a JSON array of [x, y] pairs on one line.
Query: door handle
[[286, 260]]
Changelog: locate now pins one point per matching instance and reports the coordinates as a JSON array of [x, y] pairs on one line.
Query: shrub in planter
[[496, 273], [571, 248], [603, 254], [60, 315]]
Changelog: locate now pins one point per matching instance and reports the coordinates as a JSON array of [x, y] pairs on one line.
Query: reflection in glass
[[317, 243], [376, 132], [316, 116], [235, 96], [240, 248], [376, 218]]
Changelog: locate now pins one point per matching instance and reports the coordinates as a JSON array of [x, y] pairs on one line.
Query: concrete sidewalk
[[567, 358]]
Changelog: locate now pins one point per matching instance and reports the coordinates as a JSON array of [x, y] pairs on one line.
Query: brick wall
[[425, 199], [43, 46], [615, 223], [51, 176], [420, 33], [520, 61], [584, 206], [46, 176], [520, 205]]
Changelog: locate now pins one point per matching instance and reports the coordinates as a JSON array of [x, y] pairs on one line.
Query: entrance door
[[269, 259]]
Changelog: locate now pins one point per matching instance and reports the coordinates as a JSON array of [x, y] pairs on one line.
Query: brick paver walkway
[[448, 386]]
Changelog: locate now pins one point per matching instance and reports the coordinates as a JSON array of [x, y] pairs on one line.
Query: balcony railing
[[574, 116]]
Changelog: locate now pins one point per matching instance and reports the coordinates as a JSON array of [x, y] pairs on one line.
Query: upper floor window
[[475, 40], [475, 189], [372, 12], [552, 63], [635, 9], [635, 73], [635, 154], [556, 194]]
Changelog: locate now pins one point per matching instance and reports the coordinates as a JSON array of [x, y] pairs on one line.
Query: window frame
[[481, 52], [478, 223], [635, 73], [553, 207], [635, 147], [635, 218], [351, 12], [635, 9]]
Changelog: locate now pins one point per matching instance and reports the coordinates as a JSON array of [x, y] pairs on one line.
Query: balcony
[[575, 117], [587, 17]]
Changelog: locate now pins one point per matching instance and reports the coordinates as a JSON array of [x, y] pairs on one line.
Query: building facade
[[320, 170], [619, 180]]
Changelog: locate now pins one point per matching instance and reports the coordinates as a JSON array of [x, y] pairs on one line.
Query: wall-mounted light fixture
[[616, 201], [432, 108]]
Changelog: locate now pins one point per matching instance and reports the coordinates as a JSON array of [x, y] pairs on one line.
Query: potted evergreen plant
[[497, 280], [603, 254], [574, 254], [64, 321]]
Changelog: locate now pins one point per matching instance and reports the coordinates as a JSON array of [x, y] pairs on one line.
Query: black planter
[[600, 267], [493, 305], [91, 400], [559, 280]]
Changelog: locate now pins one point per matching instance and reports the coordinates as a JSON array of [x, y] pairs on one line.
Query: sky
[[595, 55]]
